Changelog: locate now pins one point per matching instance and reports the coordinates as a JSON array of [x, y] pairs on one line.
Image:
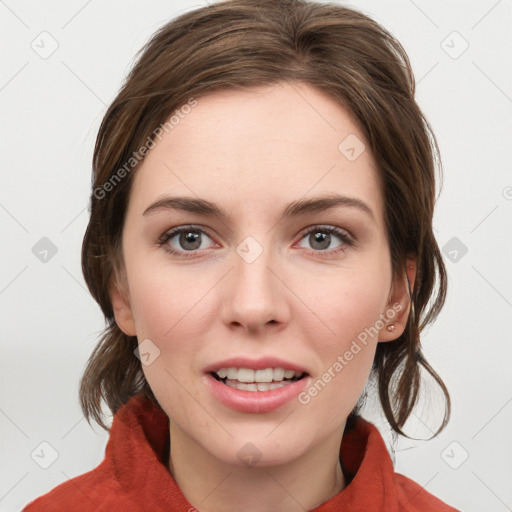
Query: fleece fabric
[[133, 476]]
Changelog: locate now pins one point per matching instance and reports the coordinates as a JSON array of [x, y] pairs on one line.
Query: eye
[[321, 238], [187, 239]]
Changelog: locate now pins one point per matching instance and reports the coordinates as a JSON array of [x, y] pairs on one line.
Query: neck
[[212, 485]]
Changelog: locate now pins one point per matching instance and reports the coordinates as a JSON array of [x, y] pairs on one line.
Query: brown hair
[[236, 44]]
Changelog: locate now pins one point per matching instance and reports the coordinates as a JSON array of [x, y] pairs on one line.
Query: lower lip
[[254, 401]]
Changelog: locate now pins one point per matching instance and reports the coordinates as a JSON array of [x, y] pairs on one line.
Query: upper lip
[[255, 364]]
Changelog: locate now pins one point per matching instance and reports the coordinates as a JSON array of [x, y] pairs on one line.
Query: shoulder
[[414, 498], [367, 460], [132, 462], [92, 491]]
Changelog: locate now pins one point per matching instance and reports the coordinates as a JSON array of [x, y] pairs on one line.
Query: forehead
[[259, 148]]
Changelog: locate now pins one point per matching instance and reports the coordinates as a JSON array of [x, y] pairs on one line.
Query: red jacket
[[133, 476]]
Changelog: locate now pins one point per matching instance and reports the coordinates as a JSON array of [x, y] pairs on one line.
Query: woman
[[261, 244]]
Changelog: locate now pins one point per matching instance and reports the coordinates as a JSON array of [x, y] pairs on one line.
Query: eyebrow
[[293, 209]]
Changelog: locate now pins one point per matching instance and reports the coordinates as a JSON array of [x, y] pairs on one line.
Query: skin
[[252, 152]]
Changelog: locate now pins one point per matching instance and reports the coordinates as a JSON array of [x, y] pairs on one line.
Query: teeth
[[266, 376], [246, 387], [278, 374], [245, 375], [232, 373], [260, 386]]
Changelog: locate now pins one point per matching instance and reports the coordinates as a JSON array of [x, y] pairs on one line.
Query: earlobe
[[399, 303], [122, 309]]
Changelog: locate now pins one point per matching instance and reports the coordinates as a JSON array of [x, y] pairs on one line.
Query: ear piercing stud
[[391, 327]]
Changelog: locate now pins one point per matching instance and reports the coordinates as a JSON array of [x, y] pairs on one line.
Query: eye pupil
[[187, 237], [323, 238]]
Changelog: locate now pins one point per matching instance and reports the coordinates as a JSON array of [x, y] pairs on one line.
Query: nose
[[254, 295]]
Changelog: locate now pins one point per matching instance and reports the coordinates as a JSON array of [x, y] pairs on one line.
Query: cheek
[[168, 310], [168, 305], [346, 306], [351, 309]]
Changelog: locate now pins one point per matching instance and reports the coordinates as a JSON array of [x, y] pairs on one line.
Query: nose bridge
[[254, 294]]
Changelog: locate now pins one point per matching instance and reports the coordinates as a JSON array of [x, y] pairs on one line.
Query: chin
[[266, 448]]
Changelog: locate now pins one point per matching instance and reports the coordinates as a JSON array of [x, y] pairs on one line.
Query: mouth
[[248, 379], [252, 385]]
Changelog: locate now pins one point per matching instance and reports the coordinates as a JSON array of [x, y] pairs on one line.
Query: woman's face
[[274, 283]]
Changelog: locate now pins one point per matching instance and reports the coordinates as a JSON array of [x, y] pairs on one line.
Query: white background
[[50, 113]]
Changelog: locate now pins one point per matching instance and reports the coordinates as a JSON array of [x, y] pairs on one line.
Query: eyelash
[[345, 238]]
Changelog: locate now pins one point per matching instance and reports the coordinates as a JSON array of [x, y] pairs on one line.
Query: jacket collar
[[138, 450]]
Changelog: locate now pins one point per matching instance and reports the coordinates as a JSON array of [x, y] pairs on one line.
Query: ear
[[119, 297], [399, 302]]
